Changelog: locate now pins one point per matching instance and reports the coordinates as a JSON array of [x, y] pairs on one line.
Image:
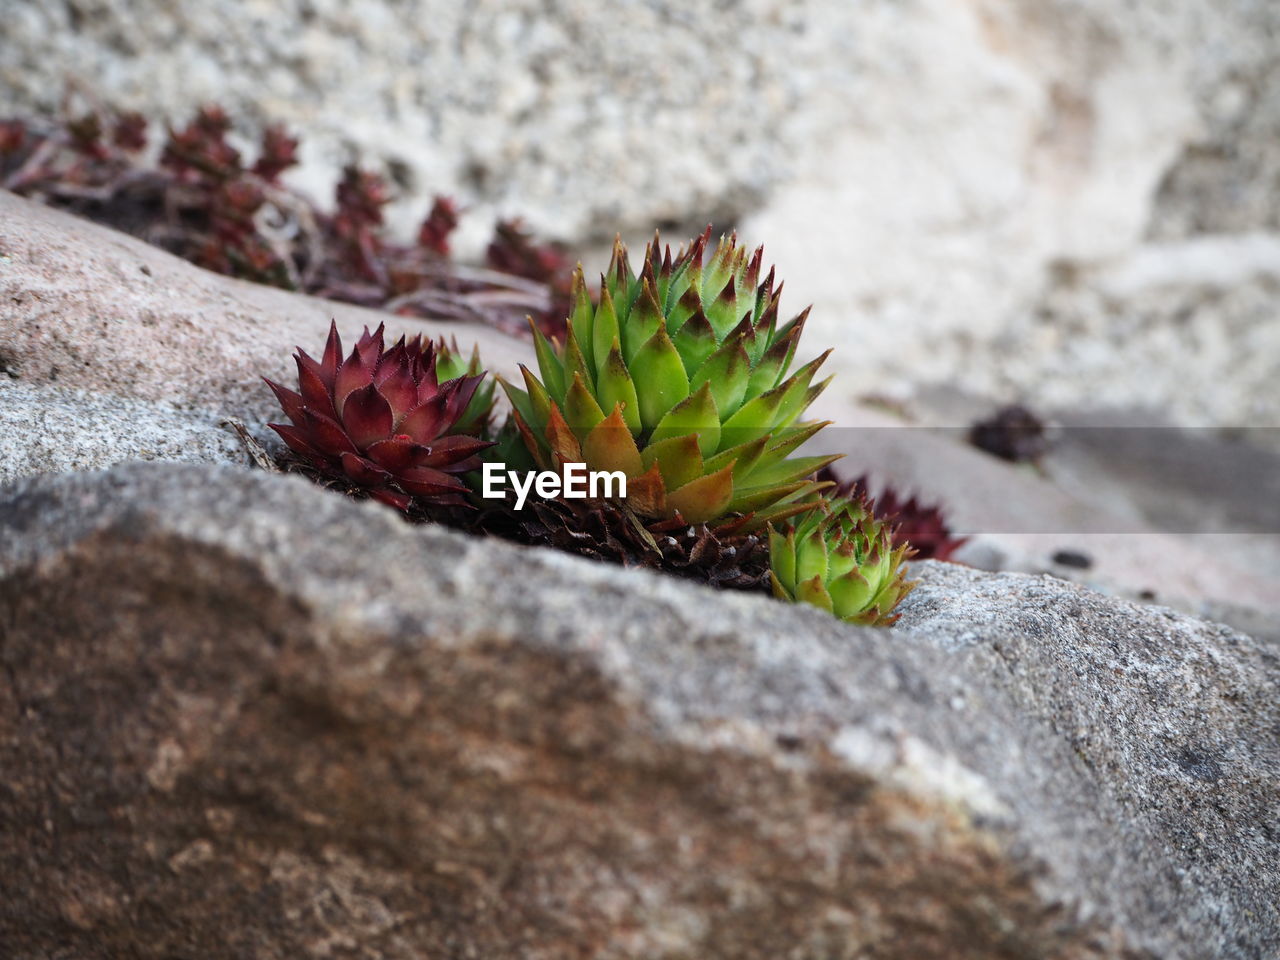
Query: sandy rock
[[88, 308], [52, 430], [243, 715]]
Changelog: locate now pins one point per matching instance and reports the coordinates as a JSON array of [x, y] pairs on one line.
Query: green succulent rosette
[[680, 378], [841, 558]]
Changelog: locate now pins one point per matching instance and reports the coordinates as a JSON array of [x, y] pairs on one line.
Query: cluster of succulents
[[681, 378], [202, 200]]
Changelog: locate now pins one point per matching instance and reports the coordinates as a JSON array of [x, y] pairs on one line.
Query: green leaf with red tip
[[704, 499], [789, 470], [604, 331], [582, 317], [658, 373], [782, 442], [751, 499], [697, 415], [580, 408], [744, 455], [723, 312], [696, 341], [813, 591], [615, 386], [841, 558], [727, 370], [519, 399], [610, 446], [681, 302], [540, 401], [797, 393], [756, 417], [575, 362], [642, 325], [785, 509], [773, 365], [678, 458], [549, 365]]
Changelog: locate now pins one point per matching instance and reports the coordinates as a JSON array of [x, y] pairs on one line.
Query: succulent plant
[[679, 379], [452, 363], [841, 558], [921, 526], [382, 419]]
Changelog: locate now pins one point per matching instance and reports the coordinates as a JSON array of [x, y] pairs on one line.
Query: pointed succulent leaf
[[697, 415], [678, 458], [647, 493], [704, 499], [580, 408], [582, 316], [565, 447], [642, 324], [605, 333], [696, 341], [615, 387], [610, 446], [813, 591], [290, 401], [549, 365], [728, 370], [782, 557], [659, 374]]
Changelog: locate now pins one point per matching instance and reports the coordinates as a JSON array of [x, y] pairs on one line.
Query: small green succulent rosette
[[839, 557]]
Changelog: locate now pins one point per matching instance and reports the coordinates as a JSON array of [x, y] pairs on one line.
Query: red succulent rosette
[[380, 419]]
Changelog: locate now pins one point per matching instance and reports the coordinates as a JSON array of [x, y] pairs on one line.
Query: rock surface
[[113, 350], [243, 716], [957, 186], [88, 308]]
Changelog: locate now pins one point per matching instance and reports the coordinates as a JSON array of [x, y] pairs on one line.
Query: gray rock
[[48, 430], [243, 716]]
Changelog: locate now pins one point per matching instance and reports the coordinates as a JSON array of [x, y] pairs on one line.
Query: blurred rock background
[[1069, 202]]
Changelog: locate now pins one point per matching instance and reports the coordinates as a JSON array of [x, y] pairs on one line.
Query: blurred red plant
[[201, 201]]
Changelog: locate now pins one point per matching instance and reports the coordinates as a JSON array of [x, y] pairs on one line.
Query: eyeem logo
[[578, 483]]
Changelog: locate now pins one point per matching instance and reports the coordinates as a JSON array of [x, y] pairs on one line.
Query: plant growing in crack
[[677, 379]]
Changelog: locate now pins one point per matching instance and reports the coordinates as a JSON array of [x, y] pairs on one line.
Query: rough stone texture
[[113, 350], [953, 183], [87, 308], [48, 430], [242, 716]]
